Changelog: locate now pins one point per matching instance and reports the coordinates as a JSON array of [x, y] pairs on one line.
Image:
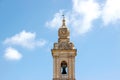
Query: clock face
[[63, 32]]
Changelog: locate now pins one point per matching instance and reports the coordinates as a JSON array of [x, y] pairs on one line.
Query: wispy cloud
[[84, 12], [55, 22], [25, 39], [111, 11], [12, 54], [80, 17]]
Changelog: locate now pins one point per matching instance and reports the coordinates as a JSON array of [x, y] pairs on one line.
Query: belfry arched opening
[[63, 67]]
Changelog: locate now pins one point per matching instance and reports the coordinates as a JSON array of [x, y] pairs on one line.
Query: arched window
[[63, 67]]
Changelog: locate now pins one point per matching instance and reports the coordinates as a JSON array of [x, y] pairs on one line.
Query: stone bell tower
[[63, 54]]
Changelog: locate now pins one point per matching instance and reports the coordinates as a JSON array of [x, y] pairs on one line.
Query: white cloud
[[12, 54], [25, 39], [80, 17], [56, 22], [88, 11], [111, 11], [84, 12]]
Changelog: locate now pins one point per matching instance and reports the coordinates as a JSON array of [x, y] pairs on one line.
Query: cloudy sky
[[28, 29]]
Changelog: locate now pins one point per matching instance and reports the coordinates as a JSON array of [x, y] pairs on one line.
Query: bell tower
[[63, 54]]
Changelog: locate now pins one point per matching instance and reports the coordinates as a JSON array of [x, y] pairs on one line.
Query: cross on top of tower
[[63, 16], [63, 21]]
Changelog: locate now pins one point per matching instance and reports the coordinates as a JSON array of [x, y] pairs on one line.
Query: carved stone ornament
[[65, 45]]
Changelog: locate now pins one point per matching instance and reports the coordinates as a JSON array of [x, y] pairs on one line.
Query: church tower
[[63, 54]]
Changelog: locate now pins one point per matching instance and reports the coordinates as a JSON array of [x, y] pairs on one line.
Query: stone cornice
[[57, 52]]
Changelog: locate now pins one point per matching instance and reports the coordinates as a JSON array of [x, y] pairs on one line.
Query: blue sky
[[29, 28]]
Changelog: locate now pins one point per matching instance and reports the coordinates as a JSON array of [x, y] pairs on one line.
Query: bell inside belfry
[[63, 67]]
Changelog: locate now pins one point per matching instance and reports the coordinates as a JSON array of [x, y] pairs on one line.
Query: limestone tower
[[63, 54]]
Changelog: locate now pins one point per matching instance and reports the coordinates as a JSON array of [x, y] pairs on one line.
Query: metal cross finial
[[63, 25], [63, 16]]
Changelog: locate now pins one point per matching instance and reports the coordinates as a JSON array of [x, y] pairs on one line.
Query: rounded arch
[[64, 67]]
